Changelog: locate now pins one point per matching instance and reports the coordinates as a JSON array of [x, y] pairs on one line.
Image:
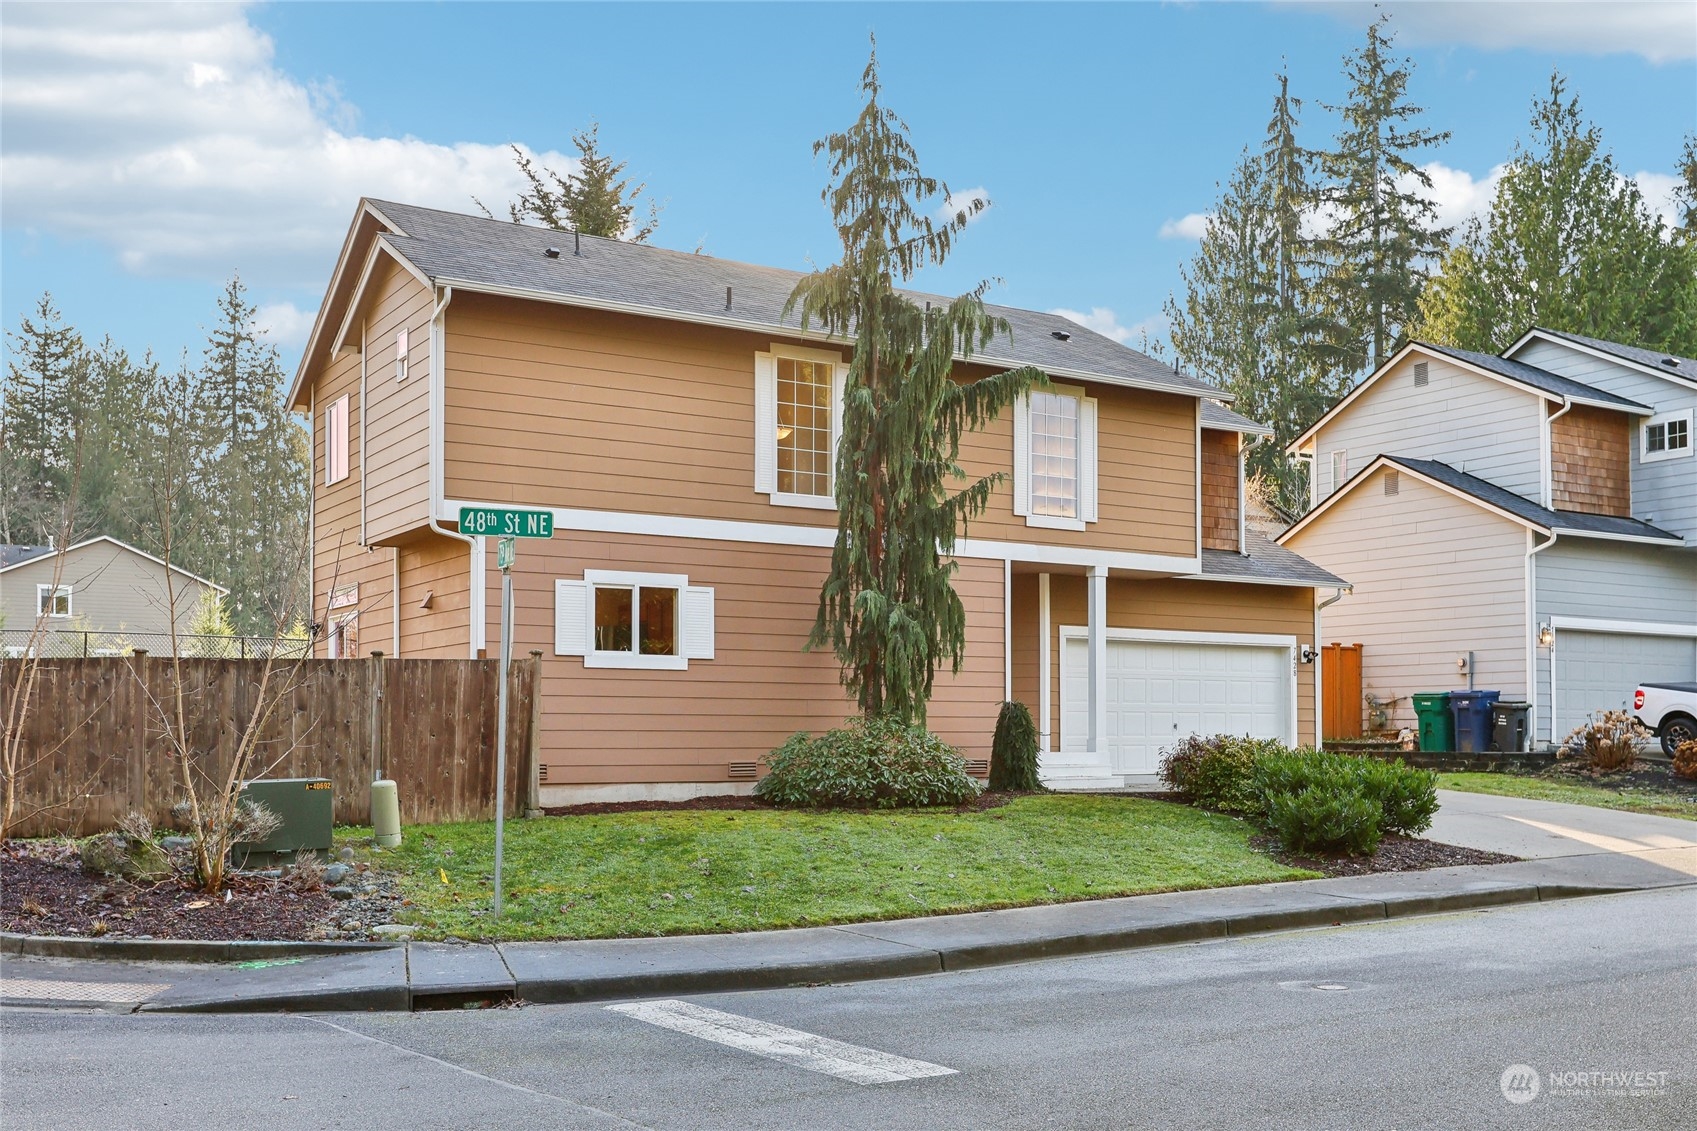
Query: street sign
[[504, 551], [507, 522]]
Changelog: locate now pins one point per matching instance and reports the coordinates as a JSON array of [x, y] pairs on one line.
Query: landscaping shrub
[[1322, 820], [1605, 742], [1316, 801], [1215, 772], [1013, 752], [1685, 759], [877, 763], [1407, 797]]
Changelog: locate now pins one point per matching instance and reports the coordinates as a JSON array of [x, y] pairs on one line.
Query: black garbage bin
[[1508, 727], [1472, 711]]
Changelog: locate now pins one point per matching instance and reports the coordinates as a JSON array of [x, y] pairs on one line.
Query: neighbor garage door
[[1596, 671], [1161, 691]]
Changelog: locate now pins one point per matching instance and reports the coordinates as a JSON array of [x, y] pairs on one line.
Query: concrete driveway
[[1541, 829]]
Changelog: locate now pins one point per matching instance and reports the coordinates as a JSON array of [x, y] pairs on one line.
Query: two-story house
[[683, 434], [1534, 513]]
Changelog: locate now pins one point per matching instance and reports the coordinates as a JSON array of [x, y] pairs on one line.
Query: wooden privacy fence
[[95, 744], [1340, 691]]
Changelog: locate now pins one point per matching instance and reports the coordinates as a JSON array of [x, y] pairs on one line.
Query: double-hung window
[[798, 395], [1667, 436], [1055, 458], [53, 601], [615, 619]]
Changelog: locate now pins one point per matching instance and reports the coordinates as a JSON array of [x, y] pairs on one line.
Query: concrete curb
[[172, 950]]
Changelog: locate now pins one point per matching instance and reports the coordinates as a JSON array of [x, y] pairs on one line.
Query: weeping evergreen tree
[[888, 609]]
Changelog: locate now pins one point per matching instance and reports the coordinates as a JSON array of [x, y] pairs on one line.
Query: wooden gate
[[1340, 691]]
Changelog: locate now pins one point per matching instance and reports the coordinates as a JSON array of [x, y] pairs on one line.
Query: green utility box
[[307, 812], [1437, 722]]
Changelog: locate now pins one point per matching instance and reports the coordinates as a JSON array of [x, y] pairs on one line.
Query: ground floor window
[[617, 619]]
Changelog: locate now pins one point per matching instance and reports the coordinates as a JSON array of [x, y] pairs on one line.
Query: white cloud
[[957, 202], [1659, 190], [1104, 321], [1459, 196], [1191, 226], [1659, 31], [166, 133], [286, 324]]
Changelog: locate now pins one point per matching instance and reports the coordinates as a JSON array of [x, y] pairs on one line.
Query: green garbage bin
[[1437, 723]]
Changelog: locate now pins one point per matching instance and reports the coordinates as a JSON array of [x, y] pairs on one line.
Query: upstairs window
[[615, 619], [798, 396], [1055, 458], [53, 601], [1667, 436], [1340, 469], [336, 441]]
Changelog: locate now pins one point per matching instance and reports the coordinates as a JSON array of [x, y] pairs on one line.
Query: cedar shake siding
[[1219, 490], [1591, 461]]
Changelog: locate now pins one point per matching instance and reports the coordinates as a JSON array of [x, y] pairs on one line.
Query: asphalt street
[[1404, 1024]]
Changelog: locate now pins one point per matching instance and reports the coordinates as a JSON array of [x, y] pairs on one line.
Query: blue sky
[[147, 152]]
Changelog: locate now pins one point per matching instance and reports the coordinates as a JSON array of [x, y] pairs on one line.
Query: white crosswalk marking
[[792, 1046]]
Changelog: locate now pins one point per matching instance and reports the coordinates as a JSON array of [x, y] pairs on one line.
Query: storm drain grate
[[40, 989]]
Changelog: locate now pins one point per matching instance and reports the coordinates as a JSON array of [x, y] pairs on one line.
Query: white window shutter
[[1087, 459], [698, 622], [765, 423], [571, 618], [1022, 455]]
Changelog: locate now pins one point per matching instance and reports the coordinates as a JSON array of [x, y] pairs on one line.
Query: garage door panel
[[1597, 671]]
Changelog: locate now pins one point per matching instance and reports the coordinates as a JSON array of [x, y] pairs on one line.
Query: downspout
[[1531, 571], [1319, 654], [1549, 499], [364, 347], [312, 514], [438, 384]]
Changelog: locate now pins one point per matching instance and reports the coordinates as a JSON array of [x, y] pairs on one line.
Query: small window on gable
[[1422, 375], [798, 396], [336, 441], [401, 354], [53, 601], [1054, 458], [1666, 436], [633, 620], [1340, 469]]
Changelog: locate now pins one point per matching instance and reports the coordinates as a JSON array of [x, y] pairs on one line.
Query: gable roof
[[12, 555], [1506, 503], [1683, 370], [450, 249], [1222, 419], [1537, 381], [45, 551], [1265, 561]]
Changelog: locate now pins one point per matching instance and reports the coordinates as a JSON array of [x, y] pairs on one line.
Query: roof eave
[[1556, 338]]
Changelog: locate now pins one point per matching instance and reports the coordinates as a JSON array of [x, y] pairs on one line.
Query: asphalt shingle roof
[[1536, 378], [1525, 508], [1653, 359], [1265, 561], [450, 247], [12, 555], [1218, 416]]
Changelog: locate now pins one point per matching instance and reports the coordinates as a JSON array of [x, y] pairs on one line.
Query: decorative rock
[[339, 892], [336, 873], [113, 854], [395, 930], [176, 843], [346, 855]]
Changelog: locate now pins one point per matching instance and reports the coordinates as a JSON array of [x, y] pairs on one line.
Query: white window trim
[[41, 591], [1645, 455], [622, 579], [765, 423], [1088, 461], [1340, 469]]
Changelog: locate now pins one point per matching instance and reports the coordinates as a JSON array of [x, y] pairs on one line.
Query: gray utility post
[[504, 552]]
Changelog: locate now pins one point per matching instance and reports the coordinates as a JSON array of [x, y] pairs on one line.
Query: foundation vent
[[743, 771], [1393, 482], [978, 767], [1422, 375], [542, 772]]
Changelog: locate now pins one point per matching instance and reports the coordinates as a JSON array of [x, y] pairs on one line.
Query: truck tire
[[1677, 729]]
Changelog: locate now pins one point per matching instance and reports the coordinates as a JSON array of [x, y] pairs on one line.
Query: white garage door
[[1160, 692], [1596, 671]]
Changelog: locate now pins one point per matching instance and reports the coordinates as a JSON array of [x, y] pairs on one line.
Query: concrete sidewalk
[[439, 975]]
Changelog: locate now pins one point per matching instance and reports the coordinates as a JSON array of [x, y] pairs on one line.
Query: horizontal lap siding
[[438, 568], [554, 406], [112, 590], [603, 725], [1187, 606], [338, 559], [1590, 468], [1434, 576], [397, 467]]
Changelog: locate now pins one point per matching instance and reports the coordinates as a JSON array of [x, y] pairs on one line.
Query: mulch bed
[[44, 891], [1396, 854], [1653, 775]]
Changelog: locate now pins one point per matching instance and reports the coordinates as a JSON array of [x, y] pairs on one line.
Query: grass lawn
[[1634, 800], [688, 872]]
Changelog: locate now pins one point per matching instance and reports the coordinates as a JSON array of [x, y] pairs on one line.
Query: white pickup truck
[[1669, 709]]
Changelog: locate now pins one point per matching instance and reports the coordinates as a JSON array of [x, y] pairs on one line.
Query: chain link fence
[[65, 643]]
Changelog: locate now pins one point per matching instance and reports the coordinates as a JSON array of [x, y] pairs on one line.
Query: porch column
[[1045, 703], [1098, 621]]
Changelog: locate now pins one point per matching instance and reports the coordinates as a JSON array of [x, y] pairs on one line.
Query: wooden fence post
[[533, 744], [138, 725]]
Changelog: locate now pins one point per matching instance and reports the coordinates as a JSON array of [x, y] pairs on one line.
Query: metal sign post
[[504, 553]]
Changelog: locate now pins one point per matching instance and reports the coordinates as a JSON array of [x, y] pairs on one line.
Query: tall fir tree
[[1568, 243], [888, 609], [597, 200], [115, 434], [41, 427], [1382, 232], [1685, 193]]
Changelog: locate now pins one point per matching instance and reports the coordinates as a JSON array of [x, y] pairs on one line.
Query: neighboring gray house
[[113, 592], [1535, 510]]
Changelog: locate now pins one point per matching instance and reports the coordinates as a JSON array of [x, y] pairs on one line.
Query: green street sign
[[505, 550], [507, 522]]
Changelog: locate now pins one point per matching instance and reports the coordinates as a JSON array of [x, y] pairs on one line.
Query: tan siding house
[[121, 596], [682, 435]]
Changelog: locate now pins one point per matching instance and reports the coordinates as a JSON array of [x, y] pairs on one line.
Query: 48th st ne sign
[[507, 522]]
